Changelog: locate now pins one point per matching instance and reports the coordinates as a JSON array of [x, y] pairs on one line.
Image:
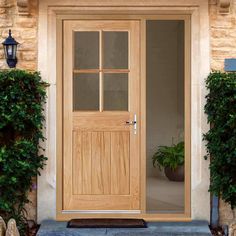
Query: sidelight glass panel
[[115, 46], [116, 92], [165, 116], [86, 92], [86, 45]]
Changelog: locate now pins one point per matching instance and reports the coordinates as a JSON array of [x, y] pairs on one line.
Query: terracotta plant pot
[[176, 175]]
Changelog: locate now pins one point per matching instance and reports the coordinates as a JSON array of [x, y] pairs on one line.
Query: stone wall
[[24, 30], [223, 35], [223, 45], [228, 217]]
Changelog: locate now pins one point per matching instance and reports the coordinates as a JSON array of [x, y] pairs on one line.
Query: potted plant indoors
[[171, 158]]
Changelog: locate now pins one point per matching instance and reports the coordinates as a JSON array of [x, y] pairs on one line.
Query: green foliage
[[172, 156], [22, 95], [221, 138]]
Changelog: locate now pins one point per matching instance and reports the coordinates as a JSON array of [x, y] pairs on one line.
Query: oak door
[[101, 160]]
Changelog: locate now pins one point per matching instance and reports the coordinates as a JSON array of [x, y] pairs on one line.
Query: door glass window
[[101, 71], [86, 92], [165, 116], [116, 92], [115, 50], [86, 46]]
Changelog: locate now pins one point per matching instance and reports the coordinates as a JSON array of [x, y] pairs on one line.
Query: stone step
[[194, 228]]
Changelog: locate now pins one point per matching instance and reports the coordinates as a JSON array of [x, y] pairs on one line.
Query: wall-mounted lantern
[[10, 49]]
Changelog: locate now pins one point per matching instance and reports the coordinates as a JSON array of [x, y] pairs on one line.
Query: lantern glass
[[11, 51], [5, 51]]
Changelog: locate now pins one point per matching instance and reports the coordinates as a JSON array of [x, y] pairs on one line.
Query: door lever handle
[[134, 123]]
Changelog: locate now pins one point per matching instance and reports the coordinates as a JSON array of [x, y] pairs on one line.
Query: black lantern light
[[10, 48]]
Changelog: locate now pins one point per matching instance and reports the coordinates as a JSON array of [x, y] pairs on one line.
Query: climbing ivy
[[221, 138], [22, 96]]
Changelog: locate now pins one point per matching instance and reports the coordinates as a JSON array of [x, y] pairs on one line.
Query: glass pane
[[116, 92], [165, 116], [115, 50], [86, 92], [86, 50]]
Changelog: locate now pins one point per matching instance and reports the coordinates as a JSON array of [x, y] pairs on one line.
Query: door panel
[[101, 160], [95, 155], [120, 161]]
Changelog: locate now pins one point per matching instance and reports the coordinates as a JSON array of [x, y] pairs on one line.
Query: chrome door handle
[[133, 122]]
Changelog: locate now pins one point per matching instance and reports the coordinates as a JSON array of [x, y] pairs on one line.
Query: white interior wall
[[165, 95]]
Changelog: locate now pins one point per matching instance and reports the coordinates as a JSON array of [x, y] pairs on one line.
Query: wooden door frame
[[100, 14]]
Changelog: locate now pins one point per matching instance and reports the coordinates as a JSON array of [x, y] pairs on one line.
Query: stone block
[[2, 10], [2, 227], [25, 65], [232, 229], [15, 33], [12, 228], [223, 43], [32, 205], [3, 3], [221, 20], [219, 33], [2, 55], [217, 65], [222, 53], [3, 64], [6, 23], [28, 33], [194, 228], [26, 22], [28, 56], [27, 45]]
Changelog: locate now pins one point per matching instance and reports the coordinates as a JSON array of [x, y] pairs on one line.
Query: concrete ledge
[[194, 228]]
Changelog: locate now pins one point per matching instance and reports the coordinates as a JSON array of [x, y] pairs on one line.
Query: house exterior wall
[[24, 29], [223, 45]]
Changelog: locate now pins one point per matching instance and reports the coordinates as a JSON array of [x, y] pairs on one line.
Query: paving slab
[[194, 228]]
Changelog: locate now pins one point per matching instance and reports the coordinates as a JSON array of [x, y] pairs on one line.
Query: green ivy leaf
[[221, 138], [22, 97]]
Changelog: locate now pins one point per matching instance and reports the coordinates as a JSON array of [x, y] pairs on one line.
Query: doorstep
[[194, 228]]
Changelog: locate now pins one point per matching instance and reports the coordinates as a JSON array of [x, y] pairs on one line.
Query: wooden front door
[[101, 126]]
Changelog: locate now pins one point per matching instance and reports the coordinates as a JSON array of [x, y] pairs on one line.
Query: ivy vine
[[22, 98], [221, 138]]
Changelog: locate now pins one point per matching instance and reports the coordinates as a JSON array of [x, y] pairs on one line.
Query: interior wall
[[165, 86]]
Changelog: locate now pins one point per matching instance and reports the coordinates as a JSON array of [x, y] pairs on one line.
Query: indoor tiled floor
[[164, 195]]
